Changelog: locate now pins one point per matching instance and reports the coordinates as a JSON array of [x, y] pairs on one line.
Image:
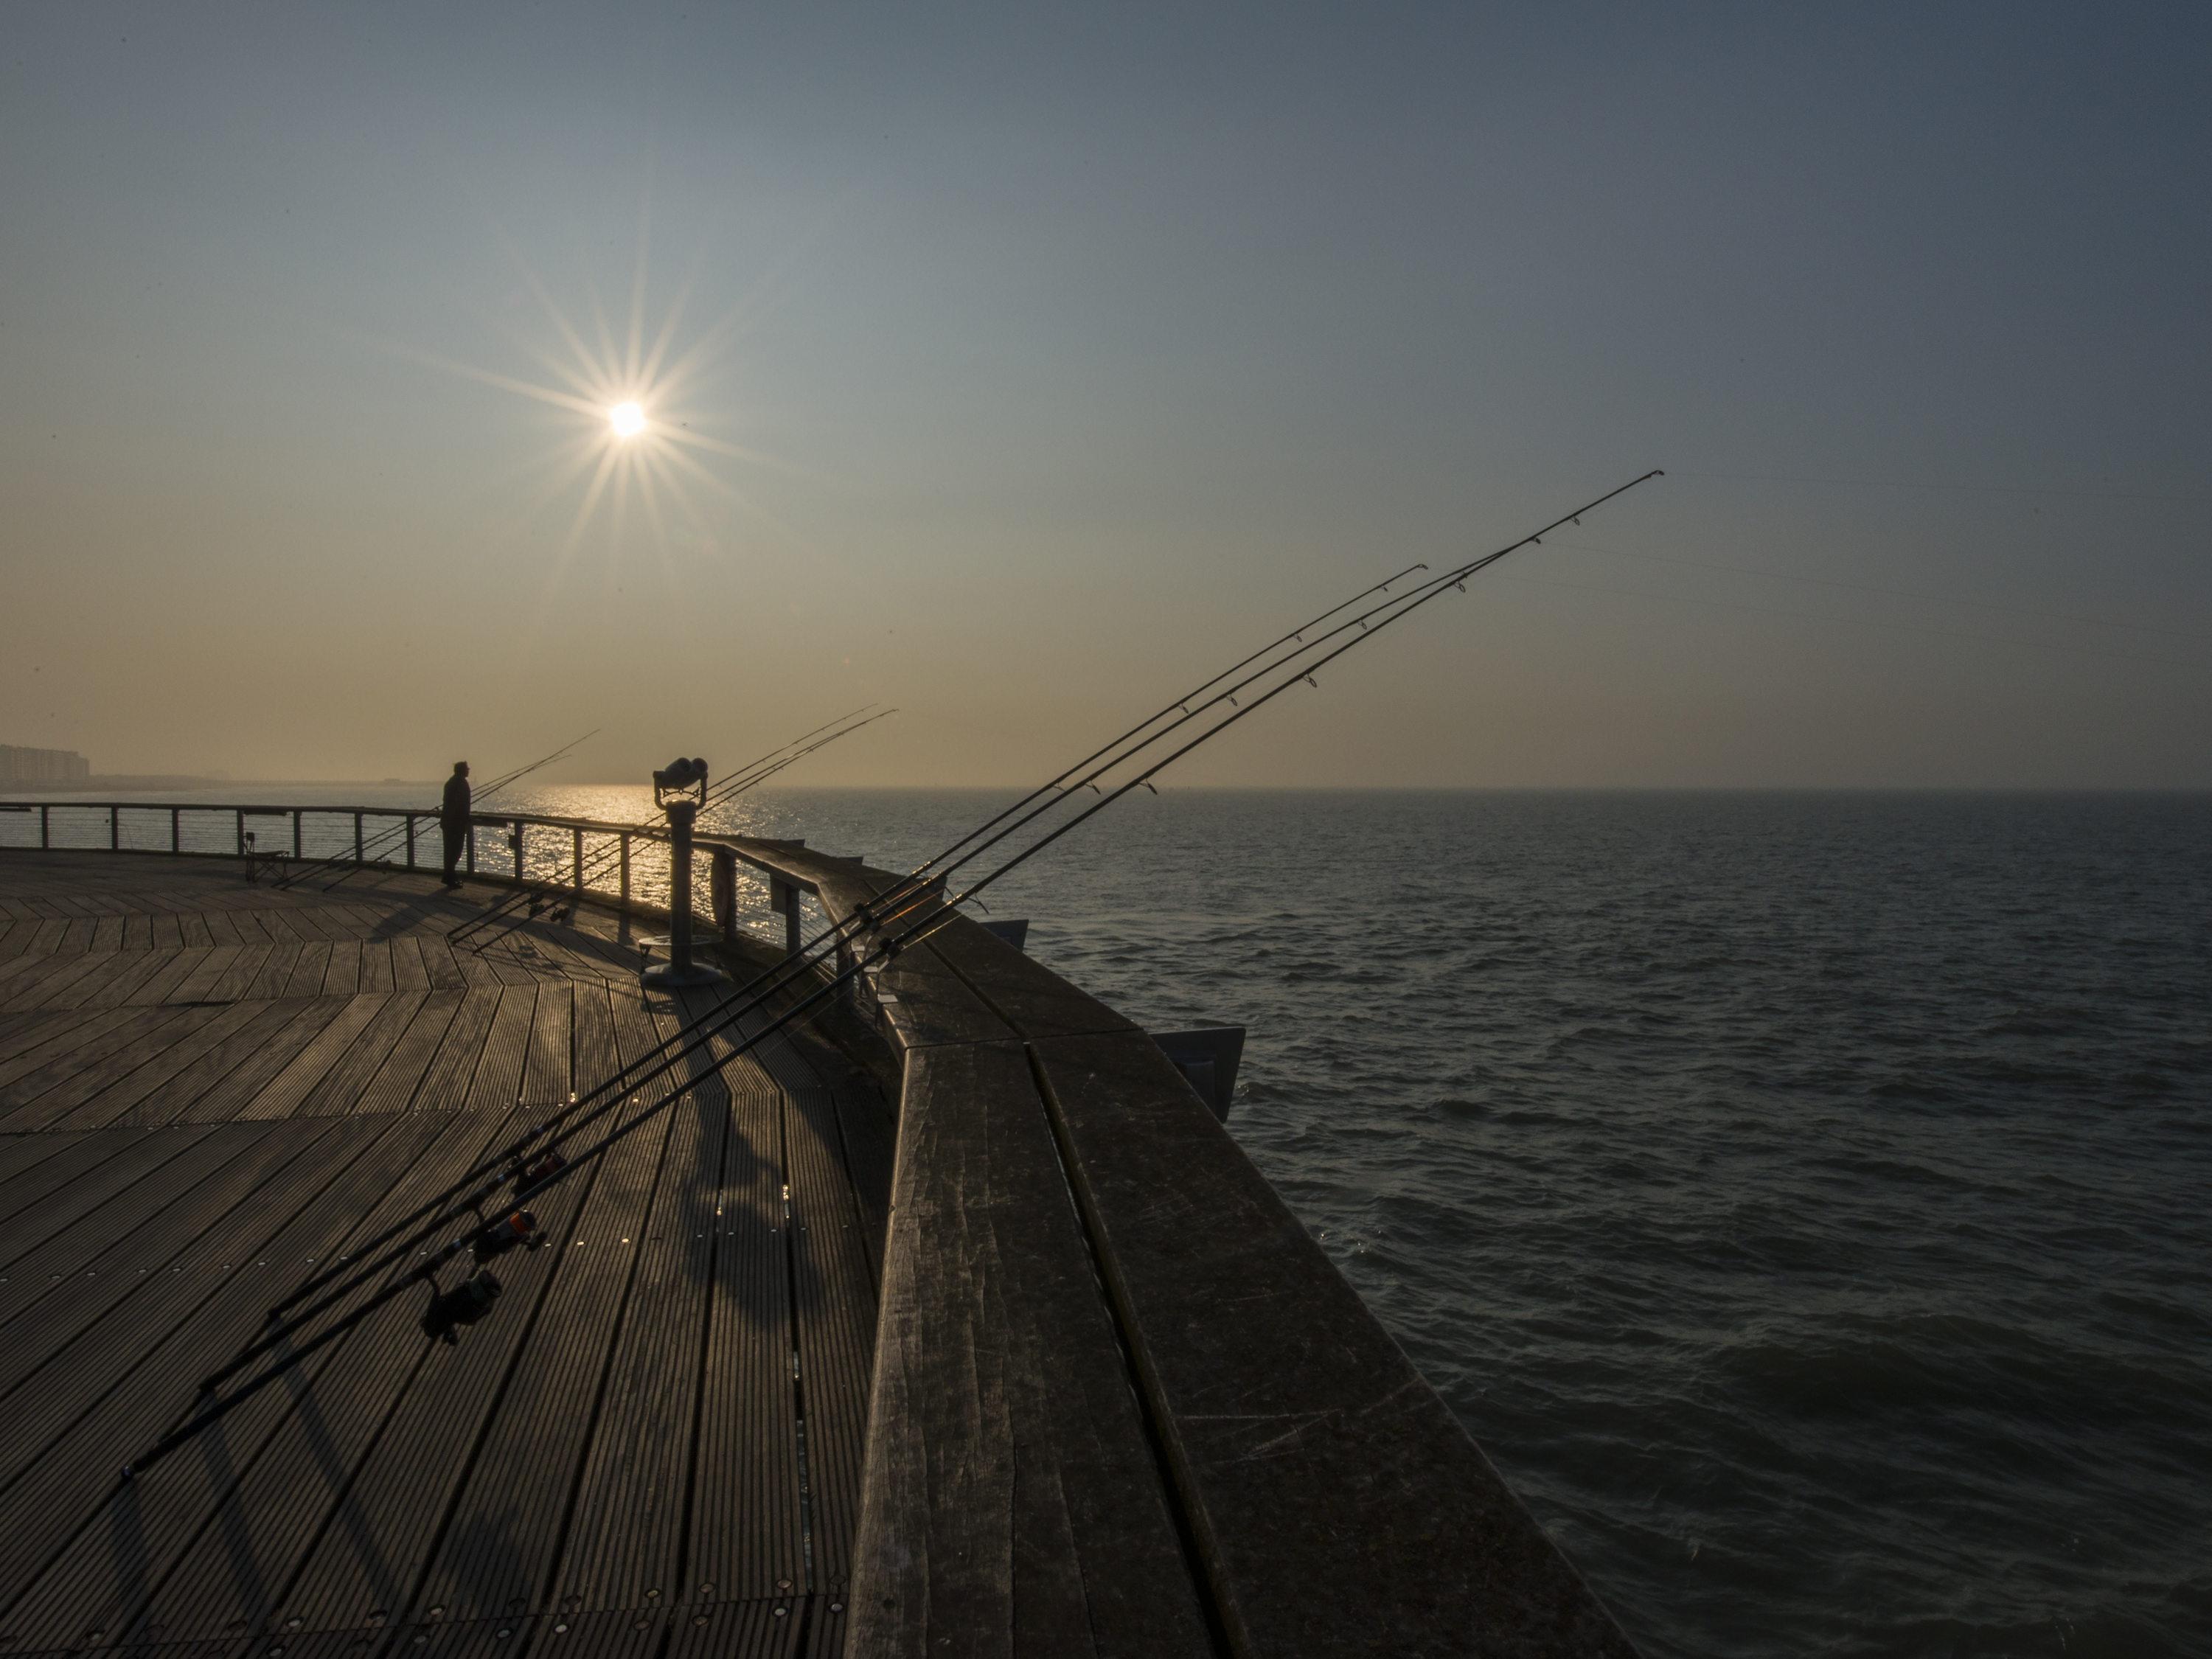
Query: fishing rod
[[506, 1157], [884, 949], [803, 961], [392, 834], [731, 1012], [746, 777], [1427, 590], [752, 772], [730, 791], [806, 957], [810, 954]]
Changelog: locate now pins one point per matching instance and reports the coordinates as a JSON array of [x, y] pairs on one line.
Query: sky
[[1038, 362]]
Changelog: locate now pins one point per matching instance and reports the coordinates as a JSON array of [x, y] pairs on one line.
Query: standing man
[[453, 818]]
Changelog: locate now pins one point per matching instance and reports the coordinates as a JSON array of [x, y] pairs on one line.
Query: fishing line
[[816, 952], [881, 949], [435, 1213], [735, 785], [393, 834]]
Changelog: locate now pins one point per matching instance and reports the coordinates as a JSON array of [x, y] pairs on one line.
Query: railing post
[[580, 858], [472, 847], [516, 842], [241, 833], [625, 869], [45, 827], [783, 898], [722, 886], [298, 815], [114, 827], [357, 855], [176, 841], [410, 840]]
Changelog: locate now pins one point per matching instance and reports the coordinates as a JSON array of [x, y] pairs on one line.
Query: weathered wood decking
[[207, 1088], [1069, 1380]]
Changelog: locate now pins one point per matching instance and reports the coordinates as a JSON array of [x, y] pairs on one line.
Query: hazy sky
[[1051, 363]]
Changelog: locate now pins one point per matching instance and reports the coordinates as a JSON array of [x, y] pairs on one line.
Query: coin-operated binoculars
[[680, 790]]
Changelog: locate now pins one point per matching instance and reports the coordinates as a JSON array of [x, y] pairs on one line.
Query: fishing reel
[[543, 1167], [683, 779]]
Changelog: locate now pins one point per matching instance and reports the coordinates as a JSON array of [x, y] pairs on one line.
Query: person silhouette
[[453, 818]]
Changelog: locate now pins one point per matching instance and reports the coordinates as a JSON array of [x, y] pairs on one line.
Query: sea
[[1804, 1198]]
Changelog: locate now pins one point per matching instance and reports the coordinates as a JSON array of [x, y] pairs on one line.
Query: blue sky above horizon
[[1067, 357]]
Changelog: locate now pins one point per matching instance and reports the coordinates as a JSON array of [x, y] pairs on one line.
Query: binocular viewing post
[[680, 790]]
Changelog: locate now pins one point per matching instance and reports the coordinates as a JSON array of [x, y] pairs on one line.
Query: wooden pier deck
[[972, 1332], [207, 1088]]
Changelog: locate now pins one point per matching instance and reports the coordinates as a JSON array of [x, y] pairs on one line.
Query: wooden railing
[[1123, 1402]]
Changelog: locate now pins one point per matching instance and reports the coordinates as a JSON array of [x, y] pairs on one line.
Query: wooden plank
[[375, 965], [438, 965], [393, 1087], [748, 1513], [198, 985], [1339, 1507], [58, 986], [130, 1160], [116, 1102], [77, 1411], [500, 1549], [263, 1033], [45, 1097], [33, 1177], [271, 978], [737, 1630], [408, 973], [126, 982], [498, 1081], [993, 1336], [35, 1039], [453, 1070], [546, 1079], [627, 1545], [233, 984], [181, 962], [339, 1089], [227, 1098], [308, 970], [364, 1571], [255, 1171], [282, 1095], [213, 1537], [12, 966], [342, 976], [833, 1264]]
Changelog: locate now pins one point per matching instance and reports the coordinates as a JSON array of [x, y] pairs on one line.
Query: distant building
[[42, 765]]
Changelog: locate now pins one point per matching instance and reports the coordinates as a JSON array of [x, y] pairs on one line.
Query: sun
[[639, 431]]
